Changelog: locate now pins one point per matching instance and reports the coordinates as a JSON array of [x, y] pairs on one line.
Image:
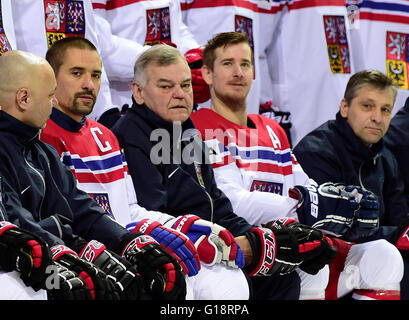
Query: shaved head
[[26, 82]]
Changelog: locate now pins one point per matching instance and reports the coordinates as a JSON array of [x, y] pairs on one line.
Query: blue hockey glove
[[327, 207], [175, 242], [366, 219]]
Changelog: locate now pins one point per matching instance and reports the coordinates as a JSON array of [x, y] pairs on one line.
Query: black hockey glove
[[95, 279], [24, 252], [121, 272], [263, 246], [163, 275], [68, 286], [301, 246]]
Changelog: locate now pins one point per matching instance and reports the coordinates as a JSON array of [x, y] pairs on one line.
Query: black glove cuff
[[125, 240], [254, 241]]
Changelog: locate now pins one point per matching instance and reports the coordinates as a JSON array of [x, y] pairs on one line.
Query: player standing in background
[[310, 62], [146, 23], [7, 37], [240, 16], [379, 32]]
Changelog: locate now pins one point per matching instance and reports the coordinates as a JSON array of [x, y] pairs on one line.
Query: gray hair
[[374, 78], [161, 55]]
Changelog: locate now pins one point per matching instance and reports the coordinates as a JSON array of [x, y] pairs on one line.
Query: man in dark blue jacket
[[40, 194], [168, 164], [397, 140], [350, 150]]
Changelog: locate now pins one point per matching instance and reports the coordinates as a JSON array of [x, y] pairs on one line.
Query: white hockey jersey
[[145, 22], [39, 23], [94, 156], [270, 19], [380, 35], [206, 18], [311, 59], [7, 37], [254, 167]]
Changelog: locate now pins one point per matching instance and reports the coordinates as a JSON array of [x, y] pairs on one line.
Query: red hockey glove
[[201, 92]]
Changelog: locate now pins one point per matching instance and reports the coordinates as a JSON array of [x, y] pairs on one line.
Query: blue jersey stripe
[[93, 165], [258, 154], [385, 6]]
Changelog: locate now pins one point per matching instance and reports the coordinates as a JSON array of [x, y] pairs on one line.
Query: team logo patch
[[4, 42], [103, 200], [63, 19], [158, 26], [397, 58], [267, 186], [337, 44]]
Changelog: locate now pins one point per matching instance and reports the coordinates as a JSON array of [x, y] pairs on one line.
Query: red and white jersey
[[270, 19], [206, 18], [39, 23], [7, 37], [312, 62], [95, 158], [254, 167], [146, 22], [380, 34]]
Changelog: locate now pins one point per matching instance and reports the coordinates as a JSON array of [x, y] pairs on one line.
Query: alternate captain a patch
[[103, 200], [267, 186], [4, 42], [63, 19], [158, 26], [337, 44], [397, 58]]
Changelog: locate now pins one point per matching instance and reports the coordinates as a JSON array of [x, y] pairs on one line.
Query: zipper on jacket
[[42, 179], [211, 204]]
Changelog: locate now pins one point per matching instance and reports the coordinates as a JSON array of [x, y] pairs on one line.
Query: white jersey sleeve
[[7, 36]]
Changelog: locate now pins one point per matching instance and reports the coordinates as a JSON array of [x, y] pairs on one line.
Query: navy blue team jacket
[[174, 187], [40, 194], [397, 140], [333, 152]]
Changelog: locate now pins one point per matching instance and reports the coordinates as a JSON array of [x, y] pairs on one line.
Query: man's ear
[[137, 93], [343, 108], [23, 98], [207, 74]]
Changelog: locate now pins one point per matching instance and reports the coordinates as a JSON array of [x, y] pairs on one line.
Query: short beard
[[81, 110]]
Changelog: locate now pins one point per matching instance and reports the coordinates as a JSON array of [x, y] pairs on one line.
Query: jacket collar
[[25, 133], [155, 122], [353, 143], [65, 121]]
